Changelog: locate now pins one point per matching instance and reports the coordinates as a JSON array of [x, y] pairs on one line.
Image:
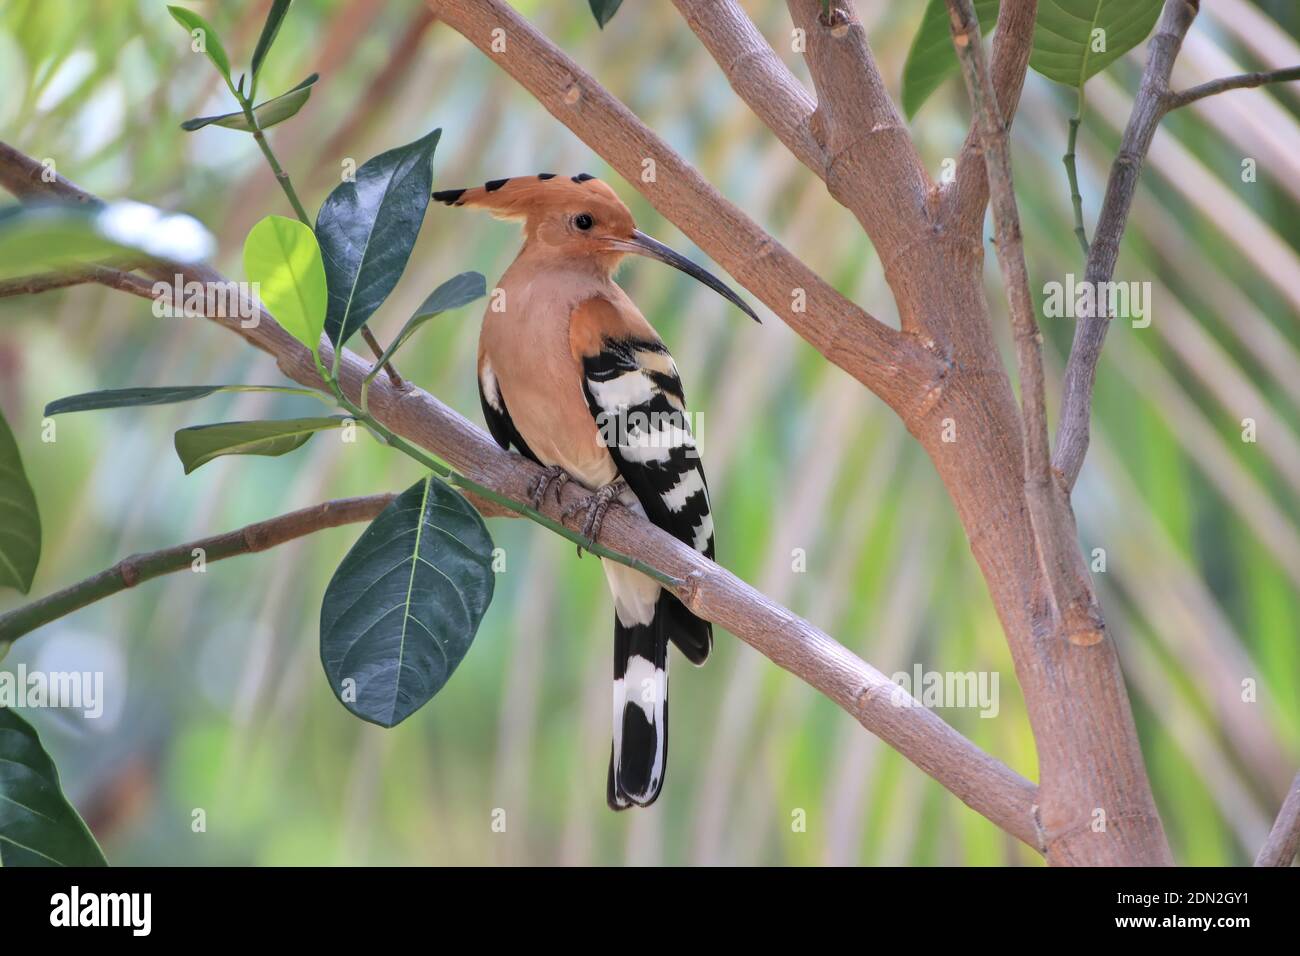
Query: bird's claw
[[596, 505], [552, 476]]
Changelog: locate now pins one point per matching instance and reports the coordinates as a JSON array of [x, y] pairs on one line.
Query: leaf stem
[[1072, 172], [280, 175]]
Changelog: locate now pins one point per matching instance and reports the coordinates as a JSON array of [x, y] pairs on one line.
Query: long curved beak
[[643, 245]]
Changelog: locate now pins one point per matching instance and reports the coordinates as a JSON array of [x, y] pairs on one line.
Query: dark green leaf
[[457, 291], [604, 10], [367, 230], [163, 395], [1064, 41], [191, 21], [932, 57], [273, 111], [452, 294], [51, 236], [20, 523], [269, 29], [402, 609], [200, 444], [38, 826]]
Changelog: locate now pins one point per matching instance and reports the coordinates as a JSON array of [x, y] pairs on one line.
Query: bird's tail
[[639, 755]]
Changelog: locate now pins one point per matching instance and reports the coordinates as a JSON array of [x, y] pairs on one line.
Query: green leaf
[[20, 523], [604, 10], [52, 236], [1064, 41], [191, 21], [282, 256], [274, 19], [452, 294], [932, 57], [402, 609], [38, 826], [368, 228], [163, 395], [200, 444], [273, 111]]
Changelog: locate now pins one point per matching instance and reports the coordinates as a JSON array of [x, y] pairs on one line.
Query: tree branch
[[1013, 41], [45, 282], [886, 361], [864, 136], [710, 591], [757, 75], [1072, 431], [112, 276], [129, 572], [1242, 81], [1284, 839], [1075, 605]]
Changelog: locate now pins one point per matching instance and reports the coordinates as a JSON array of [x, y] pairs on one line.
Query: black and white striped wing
[[635, 394]]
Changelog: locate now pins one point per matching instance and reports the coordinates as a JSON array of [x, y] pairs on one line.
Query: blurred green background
[[216, 698]]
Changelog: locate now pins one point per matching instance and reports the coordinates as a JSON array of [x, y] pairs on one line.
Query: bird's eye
[[583, 221]]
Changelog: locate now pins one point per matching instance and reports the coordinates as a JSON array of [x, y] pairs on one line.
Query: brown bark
[[1284, 838]]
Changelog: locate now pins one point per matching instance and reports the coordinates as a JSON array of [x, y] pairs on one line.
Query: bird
[[572, 376]]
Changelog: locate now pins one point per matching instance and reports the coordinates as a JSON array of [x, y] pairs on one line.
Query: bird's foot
[[552, 476], [596, 505]]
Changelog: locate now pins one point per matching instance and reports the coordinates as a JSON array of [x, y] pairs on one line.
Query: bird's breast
[[526, 342]]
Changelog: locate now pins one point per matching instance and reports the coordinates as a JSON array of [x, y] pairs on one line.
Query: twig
[[709, 590], [757, 75], [1284, 839], [1013, 41], [129, 572], [1242, 81], [281, 177], [1072, 432], [373, 343], [1072, 173], [112, 276], [45, 281], [1054, 530]]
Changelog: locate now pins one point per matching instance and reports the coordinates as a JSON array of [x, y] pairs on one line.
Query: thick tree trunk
[[1095, 803]]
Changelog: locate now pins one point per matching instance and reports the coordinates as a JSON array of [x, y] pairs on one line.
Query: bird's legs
[[552, 476], [596, 504]]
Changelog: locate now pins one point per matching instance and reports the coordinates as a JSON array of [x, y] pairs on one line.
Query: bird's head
[[579, 218]]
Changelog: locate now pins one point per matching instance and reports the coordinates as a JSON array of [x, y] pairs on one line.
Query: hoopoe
[[573, 376]]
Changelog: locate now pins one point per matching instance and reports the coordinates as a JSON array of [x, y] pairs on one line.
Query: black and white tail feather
[[635, 395]]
